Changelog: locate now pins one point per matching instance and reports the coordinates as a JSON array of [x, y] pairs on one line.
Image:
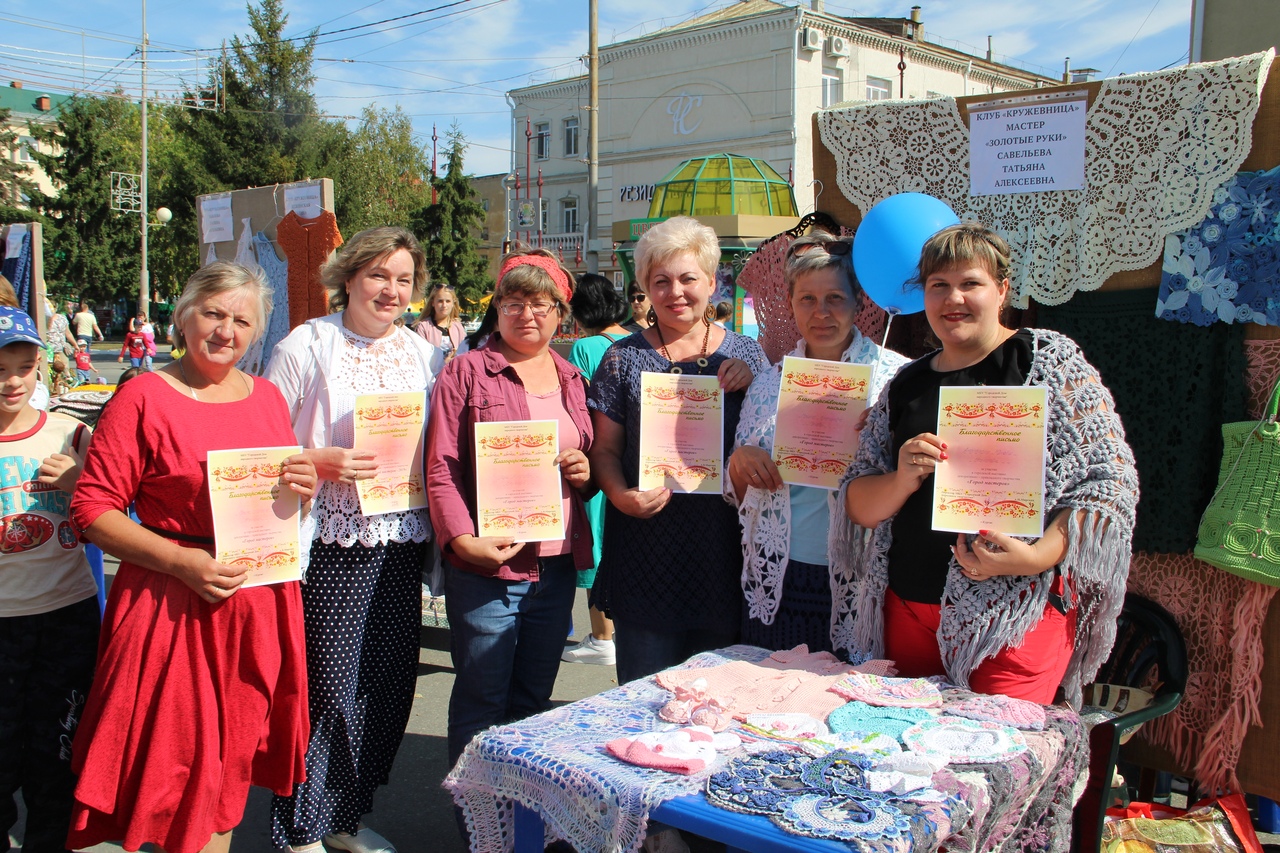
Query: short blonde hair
[[221, 277], [676, 236], [958, 245], [530, 280], [370, 245]]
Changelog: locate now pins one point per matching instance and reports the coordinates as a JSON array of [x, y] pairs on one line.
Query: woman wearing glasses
[[638, 300], [787, 576], [992, 613], [669, 572], [440, 323], [508, 602]]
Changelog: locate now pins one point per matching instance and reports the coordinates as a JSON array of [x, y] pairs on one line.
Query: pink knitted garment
[[889, 692], [794, 681], [1007, 710], [685, 751]]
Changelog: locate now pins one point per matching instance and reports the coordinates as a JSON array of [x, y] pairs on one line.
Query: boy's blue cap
[[17, 327]]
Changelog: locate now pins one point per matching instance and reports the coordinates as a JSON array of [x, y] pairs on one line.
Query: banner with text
[[1027, 144]]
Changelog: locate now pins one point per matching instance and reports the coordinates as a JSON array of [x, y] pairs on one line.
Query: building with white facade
[[746, 79]]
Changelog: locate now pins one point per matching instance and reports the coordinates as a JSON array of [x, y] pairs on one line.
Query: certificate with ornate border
[[519, 491], [993, 477], [818, 404], [681, 433], [255, 515], [392, 426]]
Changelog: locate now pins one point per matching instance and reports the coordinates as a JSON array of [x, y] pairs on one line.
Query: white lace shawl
[[766, 515], [1090, 470]]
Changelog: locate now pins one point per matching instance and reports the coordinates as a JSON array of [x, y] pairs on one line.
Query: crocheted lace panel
[[367, 366], [1156, 147]]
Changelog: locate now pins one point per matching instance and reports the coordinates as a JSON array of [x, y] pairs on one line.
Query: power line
[[1131, 41]]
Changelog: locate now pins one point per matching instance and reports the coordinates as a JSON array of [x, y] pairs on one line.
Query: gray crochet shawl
[[1090, 470]]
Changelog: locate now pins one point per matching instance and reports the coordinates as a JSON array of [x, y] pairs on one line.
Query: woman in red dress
[[200, 688]]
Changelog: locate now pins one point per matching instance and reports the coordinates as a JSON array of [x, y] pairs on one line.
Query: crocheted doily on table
[[1156, 147], [1220, 616]]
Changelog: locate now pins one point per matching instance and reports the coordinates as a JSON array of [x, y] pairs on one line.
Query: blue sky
[[457, 62]]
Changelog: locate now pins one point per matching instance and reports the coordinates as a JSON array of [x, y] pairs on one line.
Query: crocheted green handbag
[[1240, 529]]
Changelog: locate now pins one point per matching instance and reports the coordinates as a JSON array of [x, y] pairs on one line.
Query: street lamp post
[[144, 284]]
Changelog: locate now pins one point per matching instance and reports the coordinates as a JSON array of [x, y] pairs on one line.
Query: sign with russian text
[[1027, 144], [818, 404], [681, 433], [255, 514], [518, 484]]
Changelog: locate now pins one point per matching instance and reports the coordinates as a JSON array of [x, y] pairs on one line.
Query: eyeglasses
[[516, 309], [638, 297], [835, 248]]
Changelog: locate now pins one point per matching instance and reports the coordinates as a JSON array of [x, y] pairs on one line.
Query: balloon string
[[884, 344]]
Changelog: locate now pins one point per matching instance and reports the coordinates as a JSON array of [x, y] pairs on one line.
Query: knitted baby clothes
[[896, 692]]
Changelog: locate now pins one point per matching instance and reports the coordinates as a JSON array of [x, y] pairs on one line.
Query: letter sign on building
[[679, 108]]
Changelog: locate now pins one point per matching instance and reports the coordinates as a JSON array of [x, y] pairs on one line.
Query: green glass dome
[[722, 185]]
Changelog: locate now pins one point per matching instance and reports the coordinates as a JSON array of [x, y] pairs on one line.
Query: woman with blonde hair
[[441, 323], [201, 687], [669, 572], [361, 597], [508, 602]]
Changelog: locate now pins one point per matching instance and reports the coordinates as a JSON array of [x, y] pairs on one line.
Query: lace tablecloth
[[555, 763]]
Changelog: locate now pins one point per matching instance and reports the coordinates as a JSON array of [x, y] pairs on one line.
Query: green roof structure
[[723, 185]]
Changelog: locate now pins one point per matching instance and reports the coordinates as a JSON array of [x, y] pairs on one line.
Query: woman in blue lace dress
[[669, 571]]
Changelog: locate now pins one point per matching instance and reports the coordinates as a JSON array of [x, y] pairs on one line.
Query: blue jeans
[[506, 638], [642, 651]]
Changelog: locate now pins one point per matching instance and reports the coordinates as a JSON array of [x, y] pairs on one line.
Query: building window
[[879, 89], [542, 140], [832, 90], [27, 144], [571, 137], [569, 215], [484, 205]]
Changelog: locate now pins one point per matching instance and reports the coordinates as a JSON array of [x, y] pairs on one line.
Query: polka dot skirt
[[362, 608]]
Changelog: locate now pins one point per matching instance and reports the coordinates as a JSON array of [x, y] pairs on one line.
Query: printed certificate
[[518, 483], [818, 404], [681, 433], [255, 515], [392, 426], [993, 478]]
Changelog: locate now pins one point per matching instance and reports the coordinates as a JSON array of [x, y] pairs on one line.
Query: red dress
[[192, 702]]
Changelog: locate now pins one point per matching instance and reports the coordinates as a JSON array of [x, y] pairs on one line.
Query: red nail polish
[[944, 445], [943, 456], [984, 532]]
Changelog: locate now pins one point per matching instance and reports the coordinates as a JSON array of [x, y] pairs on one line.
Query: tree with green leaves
[[447, 228], [383, 180], [95, 249], [15, 181]]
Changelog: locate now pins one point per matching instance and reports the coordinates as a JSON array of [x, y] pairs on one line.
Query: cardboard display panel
[[265, 207]]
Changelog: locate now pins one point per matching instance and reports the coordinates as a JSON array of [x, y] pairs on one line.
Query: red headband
[[562, 281]]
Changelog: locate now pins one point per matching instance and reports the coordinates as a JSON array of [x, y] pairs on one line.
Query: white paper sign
[[303, 199], [13, 242], [215, 219], [1027, 144]]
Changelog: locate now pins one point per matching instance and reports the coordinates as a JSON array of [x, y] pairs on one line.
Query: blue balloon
[[886, 248]]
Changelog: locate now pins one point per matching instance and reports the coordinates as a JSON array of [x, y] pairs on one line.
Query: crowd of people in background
[[202, 687]]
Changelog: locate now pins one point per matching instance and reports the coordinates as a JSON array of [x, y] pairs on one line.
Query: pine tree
[[448, 227]]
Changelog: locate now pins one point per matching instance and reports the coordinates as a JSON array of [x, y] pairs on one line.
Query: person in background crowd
[[724, 311], [480, 336], [84, 364], [509, 603], [788, 579], [148, 331], [993, 613], [638, 301], [669, 572], [361, 599], [85, 325], [134, 346], [599, 309], [201, 687], [48, 598], [441, 322]]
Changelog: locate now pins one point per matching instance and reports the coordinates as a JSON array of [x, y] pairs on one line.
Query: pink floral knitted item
[[794, 681], [1018, 713], [894, 692]]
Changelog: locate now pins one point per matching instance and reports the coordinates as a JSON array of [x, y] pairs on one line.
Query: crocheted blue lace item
[[1227, 268], [861, 717], [827, 797]]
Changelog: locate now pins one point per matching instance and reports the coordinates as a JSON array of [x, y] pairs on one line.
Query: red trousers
[[1031, 671]]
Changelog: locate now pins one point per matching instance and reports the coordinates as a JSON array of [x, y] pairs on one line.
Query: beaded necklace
[[702, 356]]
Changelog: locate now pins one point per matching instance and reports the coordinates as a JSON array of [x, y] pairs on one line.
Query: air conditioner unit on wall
[[811, 38], [838, 46]]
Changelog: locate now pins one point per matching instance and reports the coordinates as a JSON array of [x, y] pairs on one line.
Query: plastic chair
[[1149, 653]]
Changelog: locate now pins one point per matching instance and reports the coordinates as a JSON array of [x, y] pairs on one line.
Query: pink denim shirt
[[479, 387]]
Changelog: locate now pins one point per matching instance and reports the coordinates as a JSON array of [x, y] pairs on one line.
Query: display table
[[549, 777]]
